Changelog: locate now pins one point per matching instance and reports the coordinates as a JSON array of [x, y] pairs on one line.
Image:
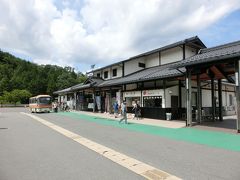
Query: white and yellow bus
[[40, 103]]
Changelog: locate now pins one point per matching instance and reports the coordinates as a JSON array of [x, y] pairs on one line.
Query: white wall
[[172, 91], [152, 60], [96, 72], [132, 66], [189, 51], [110, 73], [119, 71], [104, 70], [171, 55]]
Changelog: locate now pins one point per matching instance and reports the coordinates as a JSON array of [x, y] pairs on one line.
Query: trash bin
[[169, 116]]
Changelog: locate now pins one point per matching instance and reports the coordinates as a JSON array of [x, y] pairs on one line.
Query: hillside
[[16, 73]]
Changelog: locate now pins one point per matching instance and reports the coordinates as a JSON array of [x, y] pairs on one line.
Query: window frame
[[105, 74], [114, 72]]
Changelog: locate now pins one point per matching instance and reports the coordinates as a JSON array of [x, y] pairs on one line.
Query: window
[[152, 101], [230, 100], [106, 74], [131, 100], [142, 65], [98, 75], [114, 71], [44, 100]]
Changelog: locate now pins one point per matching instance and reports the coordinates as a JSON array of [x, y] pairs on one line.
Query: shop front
[[153, 104], [132, 97]]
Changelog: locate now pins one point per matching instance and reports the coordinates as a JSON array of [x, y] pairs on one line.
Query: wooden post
[[164, 97], [199, 100], [164, 92], [213, 99], [189, 98], [94, 100], [220, 99], [180, 93], [237, 77]]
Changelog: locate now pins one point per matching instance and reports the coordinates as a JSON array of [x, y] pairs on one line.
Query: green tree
[[16, 95], [16, 73]]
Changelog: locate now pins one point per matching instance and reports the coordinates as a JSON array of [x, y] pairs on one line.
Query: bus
[[40, 103]]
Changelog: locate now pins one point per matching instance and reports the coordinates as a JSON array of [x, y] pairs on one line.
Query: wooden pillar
[[180, 94], [189, 97], [237, 77], [164, 97], [94, 101], [75, 101], [213, 99], [220, 100], [123, 69], [184, 51], [164, 92], [199, 100]]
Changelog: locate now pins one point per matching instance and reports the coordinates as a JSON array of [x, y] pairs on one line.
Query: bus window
[[44, 100]]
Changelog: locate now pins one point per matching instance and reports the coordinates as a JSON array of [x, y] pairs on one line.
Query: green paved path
[[209, 138]]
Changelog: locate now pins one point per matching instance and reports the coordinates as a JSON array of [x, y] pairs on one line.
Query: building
[[185, 78]]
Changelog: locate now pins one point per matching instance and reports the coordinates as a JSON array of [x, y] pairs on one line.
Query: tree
[[16, 95], [16, 73]]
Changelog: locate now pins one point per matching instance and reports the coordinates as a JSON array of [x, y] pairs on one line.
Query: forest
[[18, 75]]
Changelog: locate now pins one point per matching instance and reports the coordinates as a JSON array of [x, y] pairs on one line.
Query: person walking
[[115, 108], [124, 112], [136, 110]]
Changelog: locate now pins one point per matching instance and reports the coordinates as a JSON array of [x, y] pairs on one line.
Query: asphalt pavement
[[32, 151], [183, 159]]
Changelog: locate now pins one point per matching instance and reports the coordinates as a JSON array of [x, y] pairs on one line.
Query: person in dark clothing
[[115, 108], [136, 109]]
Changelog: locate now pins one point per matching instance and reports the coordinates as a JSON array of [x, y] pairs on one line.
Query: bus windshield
[[44, 100]]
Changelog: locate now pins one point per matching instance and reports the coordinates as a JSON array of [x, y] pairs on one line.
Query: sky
[[80, 33]]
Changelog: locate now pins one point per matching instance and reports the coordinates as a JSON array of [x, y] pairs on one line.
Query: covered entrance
[[212, 67]]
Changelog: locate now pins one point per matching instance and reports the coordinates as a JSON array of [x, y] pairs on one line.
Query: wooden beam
[[224, 74], [213, 99], [199, 100], [220, 100], [189, 98], [237, 77]]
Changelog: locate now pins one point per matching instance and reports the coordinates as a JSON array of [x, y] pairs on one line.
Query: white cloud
[[101, 32]]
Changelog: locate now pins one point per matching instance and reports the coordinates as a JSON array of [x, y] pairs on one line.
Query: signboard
[[155, 92], [132, 94]]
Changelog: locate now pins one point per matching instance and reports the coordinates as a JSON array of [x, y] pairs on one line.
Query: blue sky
[[223, 31], [80, 33]]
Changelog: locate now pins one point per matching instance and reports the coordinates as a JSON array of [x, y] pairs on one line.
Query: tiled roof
[[144, 75], [80, 86], [207, 55], [226, 51], [185, 41], [62, 91], [94, 81]]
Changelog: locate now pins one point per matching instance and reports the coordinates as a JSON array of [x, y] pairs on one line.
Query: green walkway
[[209, 138]]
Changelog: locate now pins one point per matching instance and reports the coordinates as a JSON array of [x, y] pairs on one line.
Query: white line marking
[[138, 167]]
